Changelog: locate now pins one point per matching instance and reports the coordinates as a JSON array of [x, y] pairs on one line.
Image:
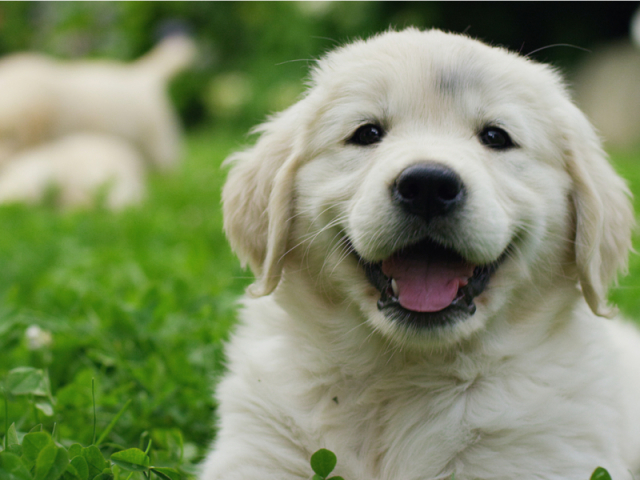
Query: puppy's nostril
[[409, 188], [429, 190], [449, 190]]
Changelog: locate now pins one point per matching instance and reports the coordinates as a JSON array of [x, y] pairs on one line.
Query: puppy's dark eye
[[367, 135], [496, 138]]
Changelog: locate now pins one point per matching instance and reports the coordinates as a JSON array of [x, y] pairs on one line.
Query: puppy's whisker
[[313, 238], [345, 249], [310, 237], [557, 45], [337, 247], [343, 256], [306, 60], [315, 219]]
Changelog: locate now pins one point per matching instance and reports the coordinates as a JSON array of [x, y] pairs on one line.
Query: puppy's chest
[[400, 431], [417, 427]]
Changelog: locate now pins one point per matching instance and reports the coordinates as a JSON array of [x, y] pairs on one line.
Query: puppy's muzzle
[[429, 190], [427, 284]]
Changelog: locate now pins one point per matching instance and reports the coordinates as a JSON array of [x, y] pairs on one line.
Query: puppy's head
[[430, 179]]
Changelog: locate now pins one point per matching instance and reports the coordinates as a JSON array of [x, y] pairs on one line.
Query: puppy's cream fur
[[76, 167], [42, 99], [534, 385]]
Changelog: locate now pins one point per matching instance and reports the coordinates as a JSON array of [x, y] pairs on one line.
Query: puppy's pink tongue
[[426, 284]]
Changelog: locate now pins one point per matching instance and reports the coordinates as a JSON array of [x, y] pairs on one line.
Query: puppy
[[432, 228], [42, 99], [77, 168]]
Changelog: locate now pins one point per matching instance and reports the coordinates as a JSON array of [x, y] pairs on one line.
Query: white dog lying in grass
[[76, 168], [42, 99], [433, 228]]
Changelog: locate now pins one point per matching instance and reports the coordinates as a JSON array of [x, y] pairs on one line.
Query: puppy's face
[[429, 178]]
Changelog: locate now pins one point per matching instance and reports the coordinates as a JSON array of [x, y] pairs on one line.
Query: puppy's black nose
[[429, 190]]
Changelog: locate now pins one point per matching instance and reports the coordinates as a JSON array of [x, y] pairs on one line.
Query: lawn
[[627, 294], [138, 303]]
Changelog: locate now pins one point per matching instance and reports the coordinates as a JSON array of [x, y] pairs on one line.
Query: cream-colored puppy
[[77, 168], [42, 99], [433, 228]]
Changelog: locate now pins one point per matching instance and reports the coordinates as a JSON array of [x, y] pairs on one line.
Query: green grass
[[627, 294], [141, 301]]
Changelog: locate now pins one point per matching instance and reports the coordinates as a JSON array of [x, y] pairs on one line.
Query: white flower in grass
[[38, 338]]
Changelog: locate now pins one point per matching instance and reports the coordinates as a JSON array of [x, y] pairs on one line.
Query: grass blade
[[93, 394], [112, 423]]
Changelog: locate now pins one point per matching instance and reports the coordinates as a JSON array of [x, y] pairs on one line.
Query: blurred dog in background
[[42, 100], [608, 89], [75, 168]]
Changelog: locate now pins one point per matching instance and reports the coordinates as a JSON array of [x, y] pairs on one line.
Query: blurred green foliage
[[253, 55], [141, 300]]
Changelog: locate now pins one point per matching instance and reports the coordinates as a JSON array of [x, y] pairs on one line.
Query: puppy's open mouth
[[428, 285]]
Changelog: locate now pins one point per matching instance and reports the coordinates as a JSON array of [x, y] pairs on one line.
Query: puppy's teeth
[[394, 287]]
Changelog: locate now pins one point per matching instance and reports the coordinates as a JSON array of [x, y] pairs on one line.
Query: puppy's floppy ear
[[258, 199], [604, 214]]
